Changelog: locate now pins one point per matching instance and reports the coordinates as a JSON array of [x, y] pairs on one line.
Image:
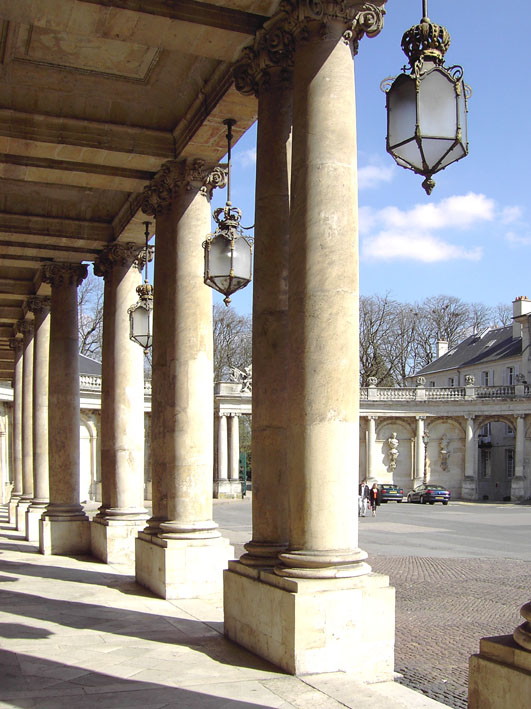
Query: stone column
[[469, 488], [266, 70], [234, 448], [182, 554], [322, 574], [16, 344], [122, 514], [25, 327], [40, 307], [419, 451], [371, 445], [518, 490], [64, 526], [221, 483]]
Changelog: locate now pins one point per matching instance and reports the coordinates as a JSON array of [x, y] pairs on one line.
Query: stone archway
[[496, 456]]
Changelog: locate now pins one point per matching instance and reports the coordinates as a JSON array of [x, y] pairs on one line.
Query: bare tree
[[481, 316], [90, 316], [376, 325], [503, 314], [232, 341]]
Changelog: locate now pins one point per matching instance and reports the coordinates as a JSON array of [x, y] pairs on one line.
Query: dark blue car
[[429, 493]]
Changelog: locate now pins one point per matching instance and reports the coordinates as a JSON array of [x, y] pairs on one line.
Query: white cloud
[[246, 158], [392, 233], [518, 239], [373, 175], [389, 246]]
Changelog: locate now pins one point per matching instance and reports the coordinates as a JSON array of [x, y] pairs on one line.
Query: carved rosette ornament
[[176, 175], [64, 274], [123, 255]]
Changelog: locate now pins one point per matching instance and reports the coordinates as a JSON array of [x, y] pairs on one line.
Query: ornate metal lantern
[[228, 252], [427, 109], [141, 313]]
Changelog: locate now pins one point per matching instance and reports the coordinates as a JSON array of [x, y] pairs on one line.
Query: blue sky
[[472, 237]]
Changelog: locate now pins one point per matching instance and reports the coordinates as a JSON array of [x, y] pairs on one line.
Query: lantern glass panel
[[402, 110], [242, 259], [410, 153], [220, 257], [437, 105], [461, 113], [456, 153], [435, 149], [141, 325]]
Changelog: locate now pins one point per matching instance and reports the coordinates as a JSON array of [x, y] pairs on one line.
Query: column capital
[[64, 274], [176, 175], [470, 417], [117, 255], [420, 418], [15, 343], [38, 303], [24, 327]]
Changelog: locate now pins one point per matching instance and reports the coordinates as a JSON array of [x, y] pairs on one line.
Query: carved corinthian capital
[[177, 175], [15, 343], [271, 55], [64, 274], [116, 255], [38, 304], [313, 18]]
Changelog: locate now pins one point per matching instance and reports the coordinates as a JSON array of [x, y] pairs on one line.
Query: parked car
[[390, 492], [429, 493]]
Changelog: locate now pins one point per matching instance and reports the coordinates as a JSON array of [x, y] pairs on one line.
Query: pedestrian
[[363, 498], [374, 498]]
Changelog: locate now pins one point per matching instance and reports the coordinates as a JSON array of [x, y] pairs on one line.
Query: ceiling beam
[[75, 229]]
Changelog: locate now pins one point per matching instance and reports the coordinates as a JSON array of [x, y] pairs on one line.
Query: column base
[[22, 508], [227, 489], [174, 568], [12, 509], [500, 675], [518, 491], [64, 536], [33, 516], [113, 540], [468, 489], [312, 626]]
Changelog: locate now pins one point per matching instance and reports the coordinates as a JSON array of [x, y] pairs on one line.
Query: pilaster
[[25, 328], [15, 344]]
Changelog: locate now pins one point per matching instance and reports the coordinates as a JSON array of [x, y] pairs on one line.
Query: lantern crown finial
[[426, 40]]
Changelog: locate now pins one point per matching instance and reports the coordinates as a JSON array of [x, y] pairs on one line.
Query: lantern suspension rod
[[147, 225], [424, 9], [229, 122]]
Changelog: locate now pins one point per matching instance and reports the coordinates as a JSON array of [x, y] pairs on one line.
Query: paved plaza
[[75, 632]]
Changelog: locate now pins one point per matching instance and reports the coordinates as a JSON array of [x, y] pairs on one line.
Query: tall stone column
[[469, 488], [40, 307], [518, 489], [371, 445], [64, 526], [234, 448], [16, 344], [122, 514], [322, 601], [182, 554], [25, 327], [420, 452], [266, 70]]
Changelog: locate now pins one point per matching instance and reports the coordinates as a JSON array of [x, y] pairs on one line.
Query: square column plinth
[[309, 625], [33, 517], [22, 508], [181, 568], [13, 511], [113, 541], [500, 676], [227, 489], [69, 536]]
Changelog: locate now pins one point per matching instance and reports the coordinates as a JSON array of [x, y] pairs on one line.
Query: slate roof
[[88, 365], [490, 346]]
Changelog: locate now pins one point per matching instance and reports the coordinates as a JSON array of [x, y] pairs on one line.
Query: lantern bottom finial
[[227, 300], [428, 185]]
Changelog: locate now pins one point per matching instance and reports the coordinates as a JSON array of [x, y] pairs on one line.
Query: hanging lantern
[[427, 108], [228, 252], [141, 313]]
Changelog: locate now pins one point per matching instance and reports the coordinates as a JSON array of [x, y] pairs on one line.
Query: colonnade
[[227, 455]]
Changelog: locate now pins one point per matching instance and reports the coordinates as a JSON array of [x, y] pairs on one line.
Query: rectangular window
[[485, 379], [509, 376], [509, 463], [484, 464], [450, 381], [432, 384], [485, 430], [509, 430]]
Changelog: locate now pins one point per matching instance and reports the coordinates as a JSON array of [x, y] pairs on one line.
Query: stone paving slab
[[75, 632]]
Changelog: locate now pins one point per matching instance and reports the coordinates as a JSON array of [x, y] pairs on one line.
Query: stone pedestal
[[33, 516], [308, 625], [12, 508], [468, 489], [22, 508], [500, 675], [227, 489], [175, 568], [64, 536], [113, 541]]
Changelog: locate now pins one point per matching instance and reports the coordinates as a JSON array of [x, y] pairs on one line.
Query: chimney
[[521, 308], [442, 347]]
